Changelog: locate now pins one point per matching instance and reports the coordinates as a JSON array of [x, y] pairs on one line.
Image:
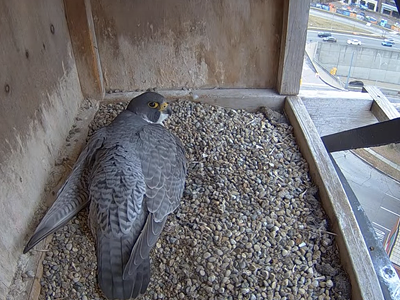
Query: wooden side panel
[[354, 253], [83, 38], [381, 106], [39, 98], [293, 42], [188, 43]]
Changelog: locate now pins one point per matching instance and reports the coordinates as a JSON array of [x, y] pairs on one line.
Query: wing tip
[[26, 249], [39, 235], [31, 243]]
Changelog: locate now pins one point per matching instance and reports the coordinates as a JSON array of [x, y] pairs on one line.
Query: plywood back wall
[[39, 97], [188, 43]]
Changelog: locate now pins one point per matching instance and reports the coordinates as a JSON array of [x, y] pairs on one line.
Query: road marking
[[392, 196], [387, 229], [384, 208]]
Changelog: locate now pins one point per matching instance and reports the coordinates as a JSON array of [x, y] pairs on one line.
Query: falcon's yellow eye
[[153, 104]]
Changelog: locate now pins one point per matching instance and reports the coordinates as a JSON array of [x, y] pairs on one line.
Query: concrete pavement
[[319, 71]]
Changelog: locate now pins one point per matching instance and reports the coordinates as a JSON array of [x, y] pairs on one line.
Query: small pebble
[[243, 230], [329, 283], [30, 274]]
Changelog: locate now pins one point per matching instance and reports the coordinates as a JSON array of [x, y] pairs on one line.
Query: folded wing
[[73, 195], [164, 169]]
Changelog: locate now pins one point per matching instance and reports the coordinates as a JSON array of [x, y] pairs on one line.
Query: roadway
[[355, 23], [342, 38]]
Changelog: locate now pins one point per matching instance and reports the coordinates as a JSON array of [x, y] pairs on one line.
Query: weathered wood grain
[[381, 106], [248, 99], [84, 44], [293, 41], [332, 115], [190, 43]]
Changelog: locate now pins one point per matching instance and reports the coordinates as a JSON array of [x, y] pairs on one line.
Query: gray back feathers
[[132, 173]]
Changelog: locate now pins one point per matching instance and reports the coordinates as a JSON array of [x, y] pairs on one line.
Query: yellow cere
[[163, 106]]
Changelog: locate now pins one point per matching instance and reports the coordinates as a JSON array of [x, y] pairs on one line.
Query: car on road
[[324, 34], [387, 44], [372, 20], [354, 42], [389, 40], [330, 39]]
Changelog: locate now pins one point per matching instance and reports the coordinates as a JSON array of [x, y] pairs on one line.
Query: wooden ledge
[[248, 99], [353, 250], [381, 107]]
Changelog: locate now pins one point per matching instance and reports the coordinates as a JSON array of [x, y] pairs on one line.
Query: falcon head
[[151, 106]]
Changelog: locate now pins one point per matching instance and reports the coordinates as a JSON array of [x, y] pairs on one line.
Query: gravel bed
[[249, 226]]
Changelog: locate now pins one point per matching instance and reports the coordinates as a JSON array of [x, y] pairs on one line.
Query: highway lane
[[355, 23], [370, 42]]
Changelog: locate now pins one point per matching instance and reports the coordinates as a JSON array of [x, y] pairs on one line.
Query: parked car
[[329, 39], [371, 20], [324, 34], [356, 83], [389, 40], [354, 42], [383, 22], [387, 44]]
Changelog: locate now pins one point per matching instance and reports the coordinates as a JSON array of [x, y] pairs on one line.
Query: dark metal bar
[[374, 135], [382, 264]]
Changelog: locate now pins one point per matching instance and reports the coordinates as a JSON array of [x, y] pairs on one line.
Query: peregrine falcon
[[132, 175]]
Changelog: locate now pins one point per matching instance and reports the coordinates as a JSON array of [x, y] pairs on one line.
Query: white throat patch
[[160, 120]]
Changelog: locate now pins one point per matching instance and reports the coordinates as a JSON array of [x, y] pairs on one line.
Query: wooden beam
[[374, 135], [353, 250], [248, 99], [381, 107], [81, 30], [293, 41]]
